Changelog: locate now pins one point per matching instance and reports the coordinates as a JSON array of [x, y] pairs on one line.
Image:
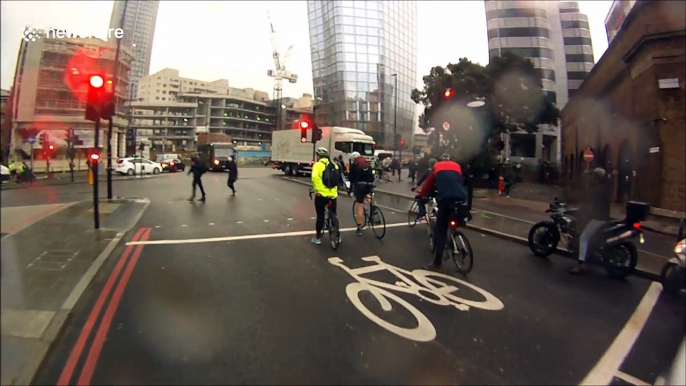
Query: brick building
[[630, 110]]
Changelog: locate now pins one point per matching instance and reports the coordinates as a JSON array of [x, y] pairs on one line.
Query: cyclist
[[425, 175], [362, 183], [447, 178], [323, 193]]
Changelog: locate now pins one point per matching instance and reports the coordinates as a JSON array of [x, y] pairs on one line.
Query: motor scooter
[[673, 275]]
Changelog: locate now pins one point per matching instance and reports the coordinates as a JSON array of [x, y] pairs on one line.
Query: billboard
[[615, 18]]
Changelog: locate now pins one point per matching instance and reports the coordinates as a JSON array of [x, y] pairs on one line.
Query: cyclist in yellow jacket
[[323, 193]]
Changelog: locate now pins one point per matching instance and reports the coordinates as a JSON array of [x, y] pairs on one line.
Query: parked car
[[136, 166], [173, 165]]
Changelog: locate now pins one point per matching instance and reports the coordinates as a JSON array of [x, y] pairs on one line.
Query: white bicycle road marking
[[433, 287]]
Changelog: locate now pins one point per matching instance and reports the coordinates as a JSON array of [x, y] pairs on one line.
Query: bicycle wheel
[[377, 222], [412, 214], [425, 330], [364, 215], [334, 231], [460, 250], [386, 177]]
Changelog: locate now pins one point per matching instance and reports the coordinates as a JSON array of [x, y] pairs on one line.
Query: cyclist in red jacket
[[446, 178]]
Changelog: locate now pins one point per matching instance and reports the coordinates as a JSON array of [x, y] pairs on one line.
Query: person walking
[[395, 166], [198, 169], [412, 167], [233, 174]]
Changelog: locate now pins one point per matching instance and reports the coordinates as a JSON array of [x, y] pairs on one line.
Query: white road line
[[243, 237], [290, 219], [239, 222], [183, 225], [211, 223], [266, 220], [157, 226], [631, 379], [608, 365]]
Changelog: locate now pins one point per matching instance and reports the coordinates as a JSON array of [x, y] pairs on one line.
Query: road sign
[[446, 126], [588, 155], [32, 140]]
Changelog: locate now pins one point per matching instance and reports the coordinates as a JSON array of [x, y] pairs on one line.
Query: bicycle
[[382, 175], [413, 212], [457, 248], [434, 287], [374, 217], [331, 224]]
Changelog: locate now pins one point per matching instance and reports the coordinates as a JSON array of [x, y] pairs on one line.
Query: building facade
[[166, 85], [554, 35], [362, 50], [630, 111], [139, 31], [5, 122], [244, 114], [615, 17], [50, 88]]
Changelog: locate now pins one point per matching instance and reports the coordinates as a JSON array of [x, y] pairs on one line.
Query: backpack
[[331, 177]]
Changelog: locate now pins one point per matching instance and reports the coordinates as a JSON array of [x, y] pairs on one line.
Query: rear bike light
[[637, 225], [452, 223]]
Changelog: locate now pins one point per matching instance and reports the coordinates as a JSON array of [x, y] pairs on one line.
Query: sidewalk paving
[[65, 179], [46, 266], [534, 211]]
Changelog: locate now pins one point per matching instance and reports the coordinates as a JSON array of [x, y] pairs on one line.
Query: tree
[[511, 89]]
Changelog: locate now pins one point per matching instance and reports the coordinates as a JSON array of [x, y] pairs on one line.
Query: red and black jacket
[[446, 178]]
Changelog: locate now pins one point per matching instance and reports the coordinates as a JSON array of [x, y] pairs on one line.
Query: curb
[[57, 326], [517, 239]]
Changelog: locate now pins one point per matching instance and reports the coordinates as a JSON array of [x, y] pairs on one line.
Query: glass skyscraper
[[357, 47]]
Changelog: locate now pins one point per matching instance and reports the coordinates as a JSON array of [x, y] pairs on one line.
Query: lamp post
[[110, 124], [395, 126]]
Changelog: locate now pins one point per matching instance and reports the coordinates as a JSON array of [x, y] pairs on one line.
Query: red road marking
[[99, 340], [75, 354]]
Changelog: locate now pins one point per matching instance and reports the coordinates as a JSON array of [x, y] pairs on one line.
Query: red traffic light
[[96, 81], [95, 156], [402, 142], [304, 124], [448, 93]]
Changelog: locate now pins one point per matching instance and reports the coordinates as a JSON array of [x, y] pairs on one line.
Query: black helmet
[[432, 162], [445, 157]]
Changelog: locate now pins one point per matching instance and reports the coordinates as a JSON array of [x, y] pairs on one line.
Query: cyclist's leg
[[441, 232], [360, 194], [319, 206]]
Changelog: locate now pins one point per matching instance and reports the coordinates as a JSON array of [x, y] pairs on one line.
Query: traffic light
[[316, 134], [448, 93], [396, 141], [95, 157], [304, 125], [100, 94], [402, 143]]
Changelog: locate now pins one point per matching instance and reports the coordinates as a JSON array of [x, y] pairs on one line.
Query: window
[[577, 75], [567, 24], [544, 73], [516, 12], [518, 32], [552, 96], [343, 147], [579, 58], [569, 10], [577, 41], [526, 52]]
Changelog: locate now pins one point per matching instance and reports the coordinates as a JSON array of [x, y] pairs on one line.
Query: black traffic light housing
[[316, 134], [397, 140], [100, 98]]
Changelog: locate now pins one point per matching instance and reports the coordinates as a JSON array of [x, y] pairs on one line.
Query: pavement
[[513, 218], [232, 291], [49, 255], [65, 179]]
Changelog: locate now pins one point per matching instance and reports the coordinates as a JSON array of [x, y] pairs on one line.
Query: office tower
[[554, 35], [356, 48], [139, 30]]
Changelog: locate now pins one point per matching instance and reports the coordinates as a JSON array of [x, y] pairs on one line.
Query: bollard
[[90, 176]]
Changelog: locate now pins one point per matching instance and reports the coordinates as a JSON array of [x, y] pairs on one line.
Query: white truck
[[294, 157]]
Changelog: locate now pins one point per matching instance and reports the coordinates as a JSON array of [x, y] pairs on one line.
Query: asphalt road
[[233, 291]]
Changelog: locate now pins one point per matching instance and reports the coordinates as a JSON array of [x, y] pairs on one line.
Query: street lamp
[[395, 125]]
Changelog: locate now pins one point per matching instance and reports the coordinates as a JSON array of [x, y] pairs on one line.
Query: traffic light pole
[[115, 81], [94, 165]]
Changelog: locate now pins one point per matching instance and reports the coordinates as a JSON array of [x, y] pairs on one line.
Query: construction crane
[[279, 73]]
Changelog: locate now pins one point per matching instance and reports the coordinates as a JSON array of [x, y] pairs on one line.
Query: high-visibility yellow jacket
[[318, 184]]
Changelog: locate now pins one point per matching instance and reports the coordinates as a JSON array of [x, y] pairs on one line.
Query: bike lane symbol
[[433, 287]]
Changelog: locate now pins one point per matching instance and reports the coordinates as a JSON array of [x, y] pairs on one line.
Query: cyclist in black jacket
[[362, 183], [425, 175]]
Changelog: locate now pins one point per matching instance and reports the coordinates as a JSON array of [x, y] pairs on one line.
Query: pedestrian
[[233, 174], [597, 208], [198, 169], [412, 167], [395, 166]]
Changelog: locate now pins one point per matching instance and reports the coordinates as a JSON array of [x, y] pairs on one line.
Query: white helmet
[[354, 154]]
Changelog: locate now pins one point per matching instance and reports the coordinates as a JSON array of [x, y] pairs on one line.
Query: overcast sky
[[231, 39]]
